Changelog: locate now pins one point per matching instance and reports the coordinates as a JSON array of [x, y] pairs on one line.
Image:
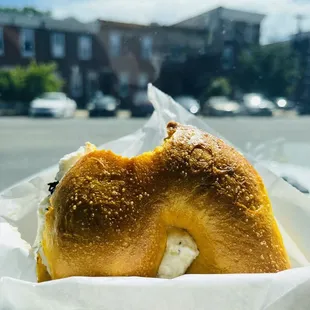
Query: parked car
[[303, 109], [221, 106], [102, 105], [53, 104], [189, 103], [141, 106], [284, 104], [257, 105]]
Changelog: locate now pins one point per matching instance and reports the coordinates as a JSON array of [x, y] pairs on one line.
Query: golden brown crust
[[41, 270], [109, 215]]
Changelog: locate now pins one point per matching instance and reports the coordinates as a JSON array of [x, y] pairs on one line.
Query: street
[[29, 145]]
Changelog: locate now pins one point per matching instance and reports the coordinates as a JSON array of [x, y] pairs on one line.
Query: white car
[[55, 104]]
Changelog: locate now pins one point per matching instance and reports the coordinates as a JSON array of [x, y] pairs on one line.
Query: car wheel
[[92, 114]]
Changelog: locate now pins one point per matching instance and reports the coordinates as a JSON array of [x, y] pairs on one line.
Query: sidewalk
[[120, 114]]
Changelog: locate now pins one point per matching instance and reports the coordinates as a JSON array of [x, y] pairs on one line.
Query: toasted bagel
[[109, 215]]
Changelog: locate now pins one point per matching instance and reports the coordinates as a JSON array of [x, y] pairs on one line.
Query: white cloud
[[279, 23]]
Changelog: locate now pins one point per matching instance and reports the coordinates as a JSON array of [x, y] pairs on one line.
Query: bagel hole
[[180, 252]]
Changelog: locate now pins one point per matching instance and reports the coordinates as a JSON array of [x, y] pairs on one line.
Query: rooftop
[[152, 26], [36, 21], [228, 14]]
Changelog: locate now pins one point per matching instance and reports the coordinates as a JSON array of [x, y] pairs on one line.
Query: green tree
[[40, 78], [219, 87], [271, 70], [25, 83], [12, 84]]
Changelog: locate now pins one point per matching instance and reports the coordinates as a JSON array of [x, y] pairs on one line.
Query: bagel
[[192, 205]]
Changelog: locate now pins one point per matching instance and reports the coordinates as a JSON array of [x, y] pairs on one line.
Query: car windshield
[[141, 97], [218, 99], [98, 94], [186, 101], [53, 96]]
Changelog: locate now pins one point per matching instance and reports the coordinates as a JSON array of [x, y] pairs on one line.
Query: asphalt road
[[29, 145]]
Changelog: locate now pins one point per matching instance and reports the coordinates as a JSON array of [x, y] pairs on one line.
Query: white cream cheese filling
[[69, 160], [181, 251], [43, 207]]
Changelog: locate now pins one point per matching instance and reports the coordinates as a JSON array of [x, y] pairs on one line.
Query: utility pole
[[303, 49], [299, 18]]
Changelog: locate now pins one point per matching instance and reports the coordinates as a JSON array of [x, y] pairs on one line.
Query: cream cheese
[[181, 251], [37, 247], [69, 160]]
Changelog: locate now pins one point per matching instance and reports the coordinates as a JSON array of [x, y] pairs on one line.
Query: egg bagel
[[110, 215]]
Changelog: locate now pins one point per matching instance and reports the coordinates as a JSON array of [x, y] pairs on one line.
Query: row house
[[84, 52], [133, 53], [230, 31], [72, 45], [136, 52]]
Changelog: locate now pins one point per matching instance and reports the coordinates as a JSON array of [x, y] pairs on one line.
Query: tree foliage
[[271, 70], [219, 87], [191, 77], [25, 83]]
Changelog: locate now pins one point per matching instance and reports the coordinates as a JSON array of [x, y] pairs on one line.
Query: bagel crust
[[109, 215]]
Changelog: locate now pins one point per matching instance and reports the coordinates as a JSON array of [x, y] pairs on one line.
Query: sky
[[279, 24]]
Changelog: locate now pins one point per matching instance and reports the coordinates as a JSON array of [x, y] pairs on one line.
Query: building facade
[[72, 45], [230, 31], [301, 45], [136, 52], [125, 56]]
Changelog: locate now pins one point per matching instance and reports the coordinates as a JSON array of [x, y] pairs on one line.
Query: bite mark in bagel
[[116, 216]]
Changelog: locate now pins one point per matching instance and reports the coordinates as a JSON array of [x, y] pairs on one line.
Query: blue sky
[[278, 25], [36, 3], [19, 3]]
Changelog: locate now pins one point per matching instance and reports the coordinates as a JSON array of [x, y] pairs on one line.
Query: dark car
[[221, 106], [284, 104], [141, 106], [189, 103], [303, 109], [103, 105], [257, 105]]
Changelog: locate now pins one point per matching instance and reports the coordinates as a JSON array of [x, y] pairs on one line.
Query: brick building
[[133, 54], [69, 43], [136, 52]]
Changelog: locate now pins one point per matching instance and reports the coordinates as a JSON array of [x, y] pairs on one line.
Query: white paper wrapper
[[285, 290]]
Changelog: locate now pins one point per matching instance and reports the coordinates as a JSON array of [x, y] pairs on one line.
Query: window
[[76, 83], [85, 47], [27, 42], [91, 85], [1, 42], [142, 80], [58, 45], [228, 57], [147, 44], [114, 44], [228, 30], [249, 33], [124, 84]]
